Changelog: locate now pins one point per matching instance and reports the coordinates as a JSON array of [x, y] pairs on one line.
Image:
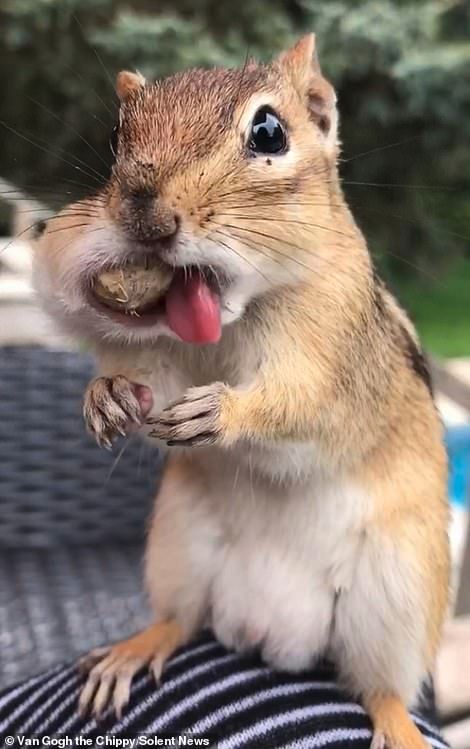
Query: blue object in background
[[458, 448]]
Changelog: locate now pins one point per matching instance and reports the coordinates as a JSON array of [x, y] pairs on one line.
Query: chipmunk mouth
[[186, 299]]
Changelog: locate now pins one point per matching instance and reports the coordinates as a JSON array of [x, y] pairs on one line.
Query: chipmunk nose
[[148, 219]]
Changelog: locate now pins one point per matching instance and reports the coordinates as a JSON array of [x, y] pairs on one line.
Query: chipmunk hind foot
[[110, 670], [393, 726]]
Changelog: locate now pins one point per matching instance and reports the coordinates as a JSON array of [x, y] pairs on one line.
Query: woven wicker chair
[[72, 517]]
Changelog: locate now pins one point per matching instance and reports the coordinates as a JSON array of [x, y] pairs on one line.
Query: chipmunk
[[303, 507]]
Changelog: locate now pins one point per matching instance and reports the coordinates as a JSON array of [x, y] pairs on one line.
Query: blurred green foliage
[[440, 309], [401, 69]]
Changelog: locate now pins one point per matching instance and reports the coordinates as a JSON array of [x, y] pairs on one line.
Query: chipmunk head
[[224, 176]]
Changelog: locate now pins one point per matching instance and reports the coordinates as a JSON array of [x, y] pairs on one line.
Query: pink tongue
[[193, 309]]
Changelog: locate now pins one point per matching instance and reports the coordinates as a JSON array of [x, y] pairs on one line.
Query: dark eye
[[267, 134], [113, 141]]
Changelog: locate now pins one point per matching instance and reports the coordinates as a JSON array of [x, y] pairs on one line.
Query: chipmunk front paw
[[194, 420], [114, 406]]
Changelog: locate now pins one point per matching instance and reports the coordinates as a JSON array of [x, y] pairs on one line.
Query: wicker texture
[[72, 517], [56, 485], [56, 604]]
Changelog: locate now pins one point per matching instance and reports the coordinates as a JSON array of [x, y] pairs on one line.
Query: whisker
[[304, 265], [37, 188], [408, 220], [268, 202], [266, 218], [97, 196], [243, 72], [405, 261], [90, 220], [56, 151], [382, 148], [118, 458], [67, 228], [40, 193], [236, 191], [285, 241], [235, 252], [72, 209], [402, 187], [17, 202], [31, 226], [256, 247], [71, 128], [355, 205], [73, 214], [279, 252], [25, 211], [90, 231], [49, 151], [11, 196], [255, 206], [83, 80], [76, 19]]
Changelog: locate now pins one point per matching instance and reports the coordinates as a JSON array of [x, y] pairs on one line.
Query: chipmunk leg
[[179, 570], [218, 414], [387, 624], [393, 727], [111, 670]]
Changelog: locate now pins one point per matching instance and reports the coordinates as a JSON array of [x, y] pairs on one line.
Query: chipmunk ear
[[301, 60], [127, 82], [301, 64]]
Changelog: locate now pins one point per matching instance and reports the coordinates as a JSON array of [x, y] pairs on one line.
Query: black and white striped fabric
[[229, 700]]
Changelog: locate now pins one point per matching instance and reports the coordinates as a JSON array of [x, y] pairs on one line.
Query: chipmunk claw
[[86, 662], [114, 406], [109, 671], [108, 682], [194, 420], [156, 669]]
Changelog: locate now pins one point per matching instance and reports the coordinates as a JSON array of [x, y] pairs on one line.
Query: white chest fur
[[284, 556]]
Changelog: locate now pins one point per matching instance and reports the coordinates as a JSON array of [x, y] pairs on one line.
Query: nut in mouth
[[147, 291], [133, 289]]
